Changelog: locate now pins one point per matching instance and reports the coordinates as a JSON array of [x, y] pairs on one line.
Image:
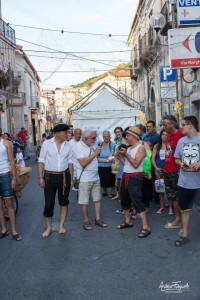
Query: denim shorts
[[6, 187]]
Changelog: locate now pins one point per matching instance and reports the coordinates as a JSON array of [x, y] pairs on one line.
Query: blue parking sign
[[167, 74]]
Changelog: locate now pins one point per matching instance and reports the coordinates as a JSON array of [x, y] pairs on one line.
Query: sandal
[[100, 223], [87, 225], [181, 241], [17, 237], [4, 234], [144, 232], [124, 225]]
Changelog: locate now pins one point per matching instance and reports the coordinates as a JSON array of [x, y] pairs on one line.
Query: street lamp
[[157, 21]]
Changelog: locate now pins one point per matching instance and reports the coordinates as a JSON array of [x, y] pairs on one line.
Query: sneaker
[[170, 212], [120, 211], [74, 189], [160, 211]]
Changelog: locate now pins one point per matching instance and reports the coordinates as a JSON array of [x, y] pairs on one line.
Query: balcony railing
[[7, 32]]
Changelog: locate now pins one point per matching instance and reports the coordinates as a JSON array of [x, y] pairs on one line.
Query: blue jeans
[[6, 187]]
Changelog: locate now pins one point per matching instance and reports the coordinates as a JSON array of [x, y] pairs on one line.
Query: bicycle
[[15, 206]]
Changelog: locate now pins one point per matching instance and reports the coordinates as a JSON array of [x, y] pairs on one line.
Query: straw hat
[[135, 131]]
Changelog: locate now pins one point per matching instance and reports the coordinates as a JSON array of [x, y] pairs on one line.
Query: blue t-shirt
[[105, 153], [152, 138], [188, 150]]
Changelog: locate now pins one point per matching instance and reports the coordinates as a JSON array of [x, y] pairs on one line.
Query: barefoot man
[[55, 174]]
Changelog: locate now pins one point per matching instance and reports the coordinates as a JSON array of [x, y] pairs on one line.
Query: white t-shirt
[[90, 172], [128, 168], [188, 150], [20, 160]]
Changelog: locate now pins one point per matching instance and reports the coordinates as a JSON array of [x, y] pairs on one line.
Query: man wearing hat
[[131, 186], [55, 174]]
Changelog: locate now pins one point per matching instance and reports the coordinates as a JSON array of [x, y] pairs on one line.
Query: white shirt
[[53, 159], [128, 168], [20, 160], [90, 172], [73, 143], [4, 162]]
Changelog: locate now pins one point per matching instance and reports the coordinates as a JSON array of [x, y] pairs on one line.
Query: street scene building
[[153, 82]]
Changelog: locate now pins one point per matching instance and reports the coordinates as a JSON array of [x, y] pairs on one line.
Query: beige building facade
[[150, 51]]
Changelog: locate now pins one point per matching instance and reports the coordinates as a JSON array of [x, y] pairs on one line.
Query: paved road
[[102, 264]]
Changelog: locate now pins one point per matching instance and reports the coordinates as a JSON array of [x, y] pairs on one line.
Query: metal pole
[[11, 102]]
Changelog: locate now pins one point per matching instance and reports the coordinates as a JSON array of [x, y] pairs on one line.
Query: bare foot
[[47, 233], [62, 230]]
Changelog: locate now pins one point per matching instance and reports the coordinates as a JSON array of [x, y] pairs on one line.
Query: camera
[[122, 146]]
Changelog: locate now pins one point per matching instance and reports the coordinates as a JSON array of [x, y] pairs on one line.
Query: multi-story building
[[60, 100], [118, 79], [150, 51], [26, 105], [7, 65]]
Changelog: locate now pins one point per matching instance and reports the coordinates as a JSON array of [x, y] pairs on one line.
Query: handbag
[[159, 185]]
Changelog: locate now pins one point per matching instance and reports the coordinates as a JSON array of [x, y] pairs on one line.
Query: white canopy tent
[[105, 112]]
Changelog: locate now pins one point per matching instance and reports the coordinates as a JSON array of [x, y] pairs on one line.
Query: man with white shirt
[[73, 142], [87, 171], [55, 173]]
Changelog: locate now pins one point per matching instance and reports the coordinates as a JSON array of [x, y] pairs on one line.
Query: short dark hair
[[192, 120], [152, 122], [141, 127], [21, 147], [119, 128]]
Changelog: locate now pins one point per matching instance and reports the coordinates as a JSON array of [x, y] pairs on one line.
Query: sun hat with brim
[[135, 131]]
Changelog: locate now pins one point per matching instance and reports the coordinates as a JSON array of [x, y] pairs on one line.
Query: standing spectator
[[152, 136], [188, 159], [19, 157], [89, 184], [69, 136], [119, 139], [22, 136], [107, 179], [7, 184], [56, 162], [16, 142], [73, 143], [7, 136], [171, 170], [27, 145], [131, 186], [158, 161]]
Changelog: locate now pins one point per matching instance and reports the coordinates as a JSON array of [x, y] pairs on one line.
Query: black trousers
[[53, 184]]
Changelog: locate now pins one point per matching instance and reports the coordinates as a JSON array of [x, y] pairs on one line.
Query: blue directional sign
[[167, 74]]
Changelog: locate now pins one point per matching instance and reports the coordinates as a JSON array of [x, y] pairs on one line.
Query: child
[[19, 156]]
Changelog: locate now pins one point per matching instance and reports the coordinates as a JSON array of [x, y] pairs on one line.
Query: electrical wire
[[67, 31]]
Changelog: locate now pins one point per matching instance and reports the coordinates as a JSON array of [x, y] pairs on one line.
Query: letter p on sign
[[167, 74]]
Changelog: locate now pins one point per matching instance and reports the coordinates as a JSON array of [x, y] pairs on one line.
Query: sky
[[76, 63]]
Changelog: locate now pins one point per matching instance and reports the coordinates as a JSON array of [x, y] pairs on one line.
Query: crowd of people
[[152, 168]]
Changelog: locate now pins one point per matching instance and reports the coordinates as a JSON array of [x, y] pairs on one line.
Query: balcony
[[7, 32], [17, 100]]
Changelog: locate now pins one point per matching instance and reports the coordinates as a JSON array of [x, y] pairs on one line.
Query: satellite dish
[[2, 99]]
